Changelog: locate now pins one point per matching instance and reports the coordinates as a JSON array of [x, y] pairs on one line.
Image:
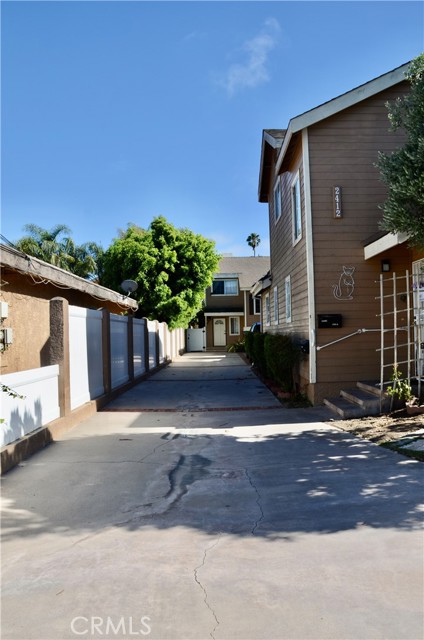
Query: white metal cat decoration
[[344, 289]]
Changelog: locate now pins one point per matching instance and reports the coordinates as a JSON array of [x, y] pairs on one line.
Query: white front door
[[418, 291], [219, 332]]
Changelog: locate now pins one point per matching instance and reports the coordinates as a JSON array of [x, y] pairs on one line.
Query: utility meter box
[[330, 321], [4, 310]]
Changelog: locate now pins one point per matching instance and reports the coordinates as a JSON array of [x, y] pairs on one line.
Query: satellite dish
[[129, 286]]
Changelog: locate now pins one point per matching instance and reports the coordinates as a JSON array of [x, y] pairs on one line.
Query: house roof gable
[[319, 113], [247, 269]]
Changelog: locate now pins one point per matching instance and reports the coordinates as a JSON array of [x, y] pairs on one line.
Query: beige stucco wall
[[29, 318]]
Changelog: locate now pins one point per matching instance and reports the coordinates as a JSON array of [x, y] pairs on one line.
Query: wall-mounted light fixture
[[385, 266]]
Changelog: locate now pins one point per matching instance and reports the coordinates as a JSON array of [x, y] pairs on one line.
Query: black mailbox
[[304, 346], [329, 320]]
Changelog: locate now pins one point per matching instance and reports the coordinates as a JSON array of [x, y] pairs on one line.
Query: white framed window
[[235, 326], [257, 305], [296, 209], [225, 287], [277, 199], [276, 315], [267, 310], [288, 299]]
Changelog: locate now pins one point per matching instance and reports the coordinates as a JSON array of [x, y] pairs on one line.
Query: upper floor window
[[296, 209], [277, 199], [276, 314], [288, 299], [223, 287], [267, 310]]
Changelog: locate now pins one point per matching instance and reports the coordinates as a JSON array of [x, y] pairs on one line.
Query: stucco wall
[[29, 318]]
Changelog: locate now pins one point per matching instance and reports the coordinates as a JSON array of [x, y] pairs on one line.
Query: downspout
[[245, 308], [310, 275]]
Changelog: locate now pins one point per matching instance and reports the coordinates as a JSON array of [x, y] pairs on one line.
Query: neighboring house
[[68, 346], [230, 307], [327, 253], [28, 285]]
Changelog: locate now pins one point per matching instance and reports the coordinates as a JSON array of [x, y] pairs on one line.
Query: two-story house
[[230, 308], [328, 254]]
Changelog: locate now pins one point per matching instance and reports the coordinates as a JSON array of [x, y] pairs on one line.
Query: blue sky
[[117, 112]]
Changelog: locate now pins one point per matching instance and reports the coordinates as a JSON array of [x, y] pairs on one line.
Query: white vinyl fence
[[162, 330], [139, 356], [119, 349], [85, 355], [87, 363], [40, 405], [151, 328]]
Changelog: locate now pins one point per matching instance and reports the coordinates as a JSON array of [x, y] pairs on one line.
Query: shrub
[[248, 344], [258, 352], [281, 355], [236, 347]]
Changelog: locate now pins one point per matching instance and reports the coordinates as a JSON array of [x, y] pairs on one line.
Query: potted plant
[[413, 406]]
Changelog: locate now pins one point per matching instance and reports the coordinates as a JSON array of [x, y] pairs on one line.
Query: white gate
[[196, 340]]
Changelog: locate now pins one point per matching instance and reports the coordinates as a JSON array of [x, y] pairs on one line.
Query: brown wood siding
[[343, 150], [288, 259], [224, 302]]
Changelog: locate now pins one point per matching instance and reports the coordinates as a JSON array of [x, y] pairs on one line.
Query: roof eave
[[344, 101], [28, 265], [386, 242], [269, 145]]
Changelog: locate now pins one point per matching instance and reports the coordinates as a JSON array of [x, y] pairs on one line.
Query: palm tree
[[48, 245], [253, 240], [84, 259]]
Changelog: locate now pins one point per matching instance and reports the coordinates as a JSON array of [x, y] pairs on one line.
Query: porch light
[[385, 266]]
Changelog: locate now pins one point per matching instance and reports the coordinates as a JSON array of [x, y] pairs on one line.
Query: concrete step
[[344, 408], [372, 387], [367, 401]]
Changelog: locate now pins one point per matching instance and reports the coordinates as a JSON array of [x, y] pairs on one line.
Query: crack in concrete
[[160, 445], [258, 502], [205, 593], [186, 471]]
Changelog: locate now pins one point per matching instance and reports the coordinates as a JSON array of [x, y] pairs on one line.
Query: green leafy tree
[[403, 170], [56, 247], [172, 268], [253, 241]]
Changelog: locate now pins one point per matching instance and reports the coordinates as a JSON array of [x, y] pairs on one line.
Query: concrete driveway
[[196, 507]]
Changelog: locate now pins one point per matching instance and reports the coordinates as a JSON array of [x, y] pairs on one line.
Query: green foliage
[[403, 170], [248, 344], [172, 267], [253, 240], [281, 354], [236, 347], [56, 247], [400, 389], [258, 352], [10, 392], [298, 401]]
